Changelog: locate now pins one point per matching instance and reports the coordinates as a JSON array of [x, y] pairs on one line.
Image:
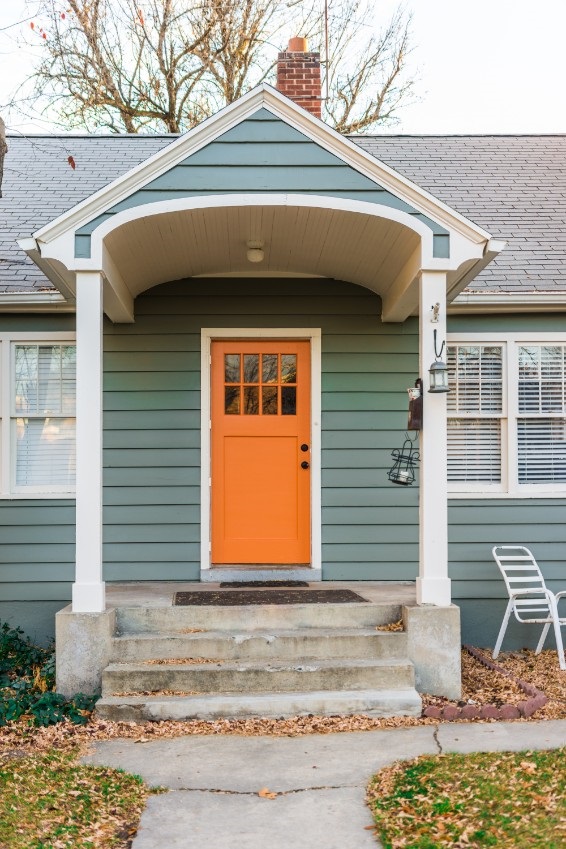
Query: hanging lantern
[[438, 372], [403, 470]]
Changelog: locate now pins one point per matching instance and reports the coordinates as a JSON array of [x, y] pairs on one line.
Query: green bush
[[27, 684]]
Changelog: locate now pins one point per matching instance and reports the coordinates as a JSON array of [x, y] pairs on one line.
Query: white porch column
[[433, 583], [88, 589]]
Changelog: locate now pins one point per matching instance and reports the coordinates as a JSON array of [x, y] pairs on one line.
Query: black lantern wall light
[[407, 458]]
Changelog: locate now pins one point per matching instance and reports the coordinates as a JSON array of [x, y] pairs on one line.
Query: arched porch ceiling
[[351, 246]]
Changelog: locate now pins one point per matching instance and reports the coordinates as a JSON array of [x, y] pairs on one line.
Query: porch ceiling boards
[[347, 246]]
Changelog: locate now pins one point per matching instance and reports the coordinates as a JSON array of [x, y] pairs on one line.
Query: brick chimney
[[298, 76]]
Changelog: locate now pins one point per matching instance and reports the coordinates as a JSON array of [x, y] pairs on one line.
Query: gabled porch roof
[[160, 221]]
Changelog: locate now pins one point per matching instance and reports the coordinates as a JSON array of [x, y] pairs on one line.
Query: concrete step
[[305, 643], [264, 617], [245, 678], [403, 701]]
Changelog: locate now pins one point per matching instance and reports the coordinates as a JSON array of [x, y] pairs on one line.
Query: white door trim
[[314, 336]]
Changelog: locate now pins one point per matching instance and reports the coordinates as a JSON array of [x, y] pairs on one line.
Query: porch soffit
[[408, 230]]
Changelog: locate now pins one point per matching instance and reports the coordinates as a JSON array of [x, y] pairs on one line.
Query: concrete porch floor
[[161, 593]]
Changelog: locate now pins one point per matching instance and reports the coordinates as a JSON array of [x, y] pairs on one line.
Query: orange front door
[[260, 452]]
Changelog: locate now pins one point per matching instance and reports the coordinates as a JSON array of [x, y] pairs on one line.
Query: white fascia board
[[288, 111], [62, 280], [35, 302], [501, 302]]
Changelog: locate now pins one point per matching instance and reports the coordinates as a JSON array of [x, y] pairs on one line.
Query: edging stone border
[[535, 700]]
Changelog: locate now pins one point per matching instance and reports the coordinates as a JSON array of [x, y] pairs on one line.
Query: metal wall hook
[[438, 354]]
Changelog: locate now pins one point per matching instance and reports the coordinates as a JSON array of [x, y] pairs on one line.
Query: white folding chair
[[529, 599]]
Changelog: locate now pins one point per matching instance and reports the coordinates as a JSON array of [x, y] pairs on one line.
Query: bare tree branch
[[131, 65]]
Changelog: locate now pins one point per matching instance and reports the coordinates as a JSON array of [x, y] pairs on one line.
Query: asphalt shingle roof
[[513, 186]]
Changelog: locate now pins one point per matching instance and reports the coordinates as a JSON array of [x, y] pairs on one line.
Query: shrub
[[27, 684]]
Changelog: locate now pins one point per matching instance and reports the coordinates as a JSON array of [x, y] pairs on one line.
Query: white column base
[[89, 598], [434, 591]]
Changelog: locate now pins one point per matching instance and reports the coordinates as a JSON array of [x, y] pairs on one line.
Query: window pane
[[251, 400], [232, 400], [231, 368], [26, 379], [269, 400], [542, 450], [541, 379], [68, 377], [474, 450], [269, 368], [288, 368], [45, 452], [49, 381], [251, 368], [289, 400], [475, 377]]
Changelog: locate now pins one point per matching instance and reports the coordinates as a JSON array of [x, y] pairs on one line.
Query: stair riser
[[196, 679], [380, 704], [139, 620], [249, 647]]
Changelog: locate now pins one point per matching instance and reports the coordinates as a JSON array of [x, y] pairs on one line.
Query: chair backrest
[[520, 571]]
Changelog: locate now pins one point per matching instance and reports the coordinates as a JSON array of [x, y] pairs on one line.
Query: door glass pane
[[251, 368], [269, 399], [289, 400], [231, 368], [269, 368], [288, 368], [251, 400], [232, 400]]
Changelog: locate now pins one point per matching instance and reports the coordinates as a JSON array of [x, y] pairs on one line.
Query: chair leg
[[559, 645], [502, 629], [543, 636]]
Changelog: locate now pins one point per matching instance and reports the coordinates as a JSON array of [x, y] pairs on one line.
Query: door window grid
[[260, 384]]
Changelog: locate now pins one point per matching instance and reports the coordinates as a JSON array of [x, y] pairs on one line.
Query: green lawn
[[49, 801], [479, 800]]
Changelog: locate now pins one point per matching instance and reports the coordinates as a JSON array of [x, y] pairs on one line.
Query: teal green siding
[[152, 425], [261, 155], [37, 536]]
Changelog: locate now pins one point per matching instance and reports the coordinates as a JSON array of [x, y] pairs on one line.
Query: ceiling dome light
[[255, 252]]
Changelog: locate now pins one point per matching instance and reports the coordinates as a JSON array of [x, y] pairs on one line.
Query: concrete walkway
[[320, 781]]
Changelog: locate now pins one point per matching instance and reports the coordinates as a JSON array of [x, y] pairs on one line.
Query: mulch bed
[[233, 598]]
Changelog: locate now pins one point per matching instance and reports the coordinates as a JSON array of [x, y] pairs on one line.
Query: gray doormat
[[237, 585], [233, 598]]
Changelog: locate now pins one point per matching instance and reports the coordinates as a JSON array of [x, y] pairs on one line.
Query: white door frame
[[314, 336]]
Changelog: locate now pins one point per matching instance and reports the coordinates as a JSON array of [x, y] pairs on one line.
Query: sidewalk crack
[[255, 792], [436, 740]]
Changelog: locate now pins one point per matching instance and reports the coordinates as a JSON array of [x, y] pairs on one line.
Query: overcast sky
[[489, 66]]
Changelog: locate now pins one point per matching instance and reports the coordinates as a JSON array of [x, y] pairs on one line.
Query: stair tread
[[272, 664], [259, 633], [386, 692]]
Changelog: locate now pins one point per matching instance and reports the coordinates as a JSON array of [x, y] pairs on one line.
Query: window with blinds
[[475, 411], [43, 417], [541, 421]]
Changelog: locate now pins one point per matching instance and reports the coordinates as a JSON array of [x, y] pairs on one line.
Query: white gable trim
[[283, 108]]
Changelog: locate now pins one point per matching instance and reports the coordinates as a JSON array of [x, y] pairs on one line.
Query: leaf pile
[[47, 801], [509, 800]]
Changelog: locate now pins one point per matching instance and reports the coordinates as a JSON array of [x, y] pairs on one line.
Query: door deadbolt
[[304, 447]]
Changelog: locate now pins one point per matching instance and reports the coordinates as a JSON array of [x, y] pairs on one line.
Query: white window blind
[[541, 423], [475, 410], [43, 421]]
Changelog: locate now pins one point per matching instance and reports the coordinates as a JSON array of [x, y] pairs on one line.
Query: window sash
[[42, 429]]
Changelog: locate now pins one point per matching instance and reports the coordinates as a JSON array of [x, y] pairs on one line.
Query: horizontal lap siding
[[37, 536], [152, 425], [477, 586]]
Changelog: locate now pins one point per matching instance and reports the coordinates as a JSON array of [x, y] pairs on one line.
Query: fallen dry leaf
[[266, 793]]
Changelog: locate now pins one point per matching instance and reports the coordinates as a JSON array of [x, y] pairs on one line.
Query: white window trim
[[8, 490], [509, 487], [312, 334]]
